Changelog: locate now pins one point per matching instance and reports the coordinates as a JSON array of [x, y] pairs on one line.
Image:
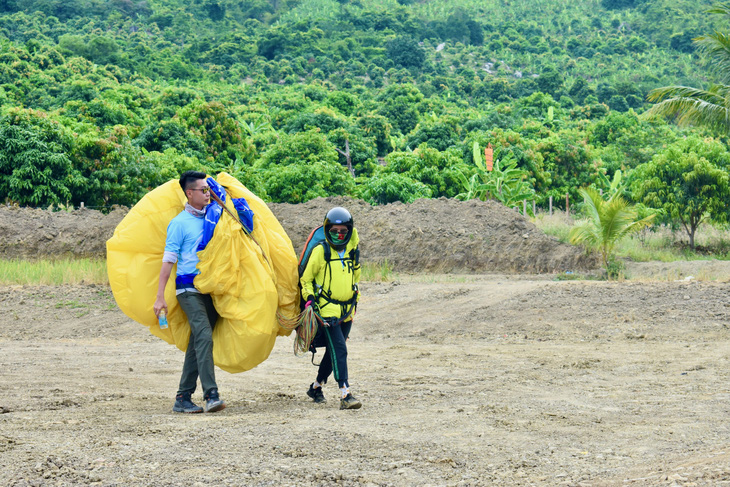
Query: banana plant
[[505, 182], [473, 187], [612, 186], [255, 127]]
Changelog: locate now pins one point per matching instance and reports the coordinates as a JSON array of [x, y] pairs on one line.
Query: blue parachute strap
[[212, 213], [245, 213], [214, 210]]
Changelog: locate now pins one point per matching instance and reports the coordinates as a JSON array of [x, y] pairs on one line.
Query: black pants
[[334, 338]]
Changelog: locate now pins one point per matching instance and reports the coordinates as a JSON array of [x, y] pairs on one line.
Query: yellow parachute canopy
[[250, 277]]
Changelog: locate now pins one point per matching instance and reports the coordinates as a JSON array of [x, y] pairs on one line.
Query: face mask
[[337, 238]]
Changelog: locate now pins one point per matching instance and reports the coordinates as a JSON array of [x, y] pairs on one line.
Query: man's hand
[[160, 304], [310, 301]]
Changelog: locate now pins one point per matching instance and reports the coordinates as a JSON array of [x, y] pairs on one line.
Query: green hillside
[[103, 100]]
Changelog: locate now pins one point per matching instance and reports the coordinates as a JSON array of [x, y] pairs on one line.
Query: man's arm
[[173, 242], [160, 302], [356, 273]]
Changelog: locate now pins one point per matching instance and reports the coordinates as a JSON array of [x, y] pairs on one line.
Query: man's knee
[[204, 337]]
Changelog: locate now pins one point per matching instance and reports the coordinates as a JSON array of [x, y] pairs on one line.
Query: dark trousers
[[199, 356], [334, 338]]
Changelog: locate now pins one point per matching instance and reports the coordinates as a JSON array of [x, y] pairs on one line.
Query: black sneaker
[[183, 404], [316, 394], [349, 402], [213, 403]]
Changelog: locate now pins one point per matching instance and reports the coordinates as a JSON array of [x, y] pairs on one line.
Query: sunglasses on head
[[204, 190]]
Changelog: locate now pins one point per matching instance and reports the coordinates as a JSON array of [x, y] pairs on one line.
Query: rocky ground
[[466, 380]]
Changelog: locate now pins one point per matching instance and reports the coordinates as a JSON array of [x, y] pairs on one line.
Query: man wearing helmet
[[329, 282]]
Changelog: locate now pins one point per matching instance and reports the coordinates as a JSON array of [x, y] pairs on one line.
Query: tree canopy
[[689, 182], [102, 100]]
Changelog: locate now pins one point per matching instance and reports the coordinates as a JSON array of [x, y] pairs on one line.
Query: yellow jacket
[[338, 279]]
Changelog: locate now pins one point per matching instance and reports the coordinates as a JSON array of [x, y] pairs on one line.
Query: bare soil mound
[[33, 232], [434, 235], [442, 235]]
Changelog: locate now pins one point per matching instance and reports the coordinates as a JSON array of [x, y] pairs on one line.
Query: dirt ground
[[466, 379]]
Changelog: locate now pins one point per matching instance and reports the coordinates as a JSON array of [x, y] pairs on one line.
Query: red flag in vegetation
[[488, 156]]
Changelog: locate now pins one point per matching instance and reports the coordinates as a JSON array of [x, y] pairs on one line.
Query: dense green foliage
[[705, 107], [103, 100], [689, 182]]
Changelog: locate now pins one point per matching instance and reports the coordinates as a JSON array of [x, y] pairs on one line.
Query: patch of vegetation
[[377, 271], [53, 272], [659, 243]]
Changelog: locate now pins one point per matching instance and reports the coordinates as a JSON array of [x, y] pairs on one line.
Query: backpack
[[317, 237]]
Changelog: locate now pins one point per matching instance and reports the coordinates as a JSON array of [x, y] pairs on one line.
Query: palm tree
[[695, 106], [608, 222]]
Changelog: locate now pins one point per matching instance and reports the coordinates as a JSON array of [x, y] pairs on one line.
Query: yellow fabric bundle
[[248, 277]]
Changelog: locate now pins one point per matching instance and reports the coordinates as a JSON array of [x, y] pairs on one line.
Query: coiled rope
[[305, 325]]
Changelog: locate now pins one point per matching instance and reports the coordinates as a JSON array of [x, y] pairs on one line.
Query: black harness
[[346, 307]]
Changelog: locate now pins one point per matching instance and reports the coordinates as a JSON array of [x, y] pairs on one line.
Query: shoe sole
[[186, 411], [353, 406], [216, 408]]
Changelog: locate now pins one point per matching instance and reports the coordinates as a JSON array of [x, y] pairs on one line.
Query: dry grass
[[659, 243], [53, 272], [377, 271]]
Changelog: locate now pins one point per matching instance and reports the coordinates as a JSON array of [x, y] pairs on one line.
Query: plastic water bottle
[[162, 317]]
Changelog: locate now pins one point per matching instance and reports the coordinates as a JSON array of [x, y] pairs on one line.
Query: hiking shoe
[[183, 404], [349, 402], [213, 402], [316, 394]]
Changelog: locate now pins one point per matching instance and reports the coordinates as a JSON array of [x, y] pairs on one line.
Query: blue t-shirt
[[184, 233]]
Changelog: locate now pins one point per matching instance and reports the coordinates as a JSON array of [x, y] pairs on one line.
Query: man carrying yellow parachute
[[236, 277]]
